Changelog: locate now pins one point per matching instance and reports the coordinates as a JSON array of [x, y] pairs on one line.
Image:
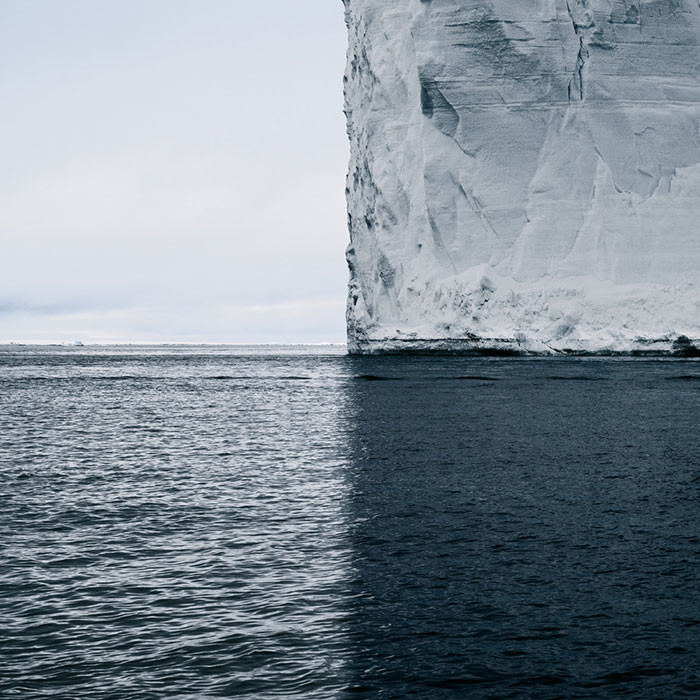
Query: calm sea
[[213, 522]]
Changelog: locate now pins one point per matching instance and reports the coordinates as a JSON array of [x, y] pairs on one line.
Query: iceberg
[[524, 176]]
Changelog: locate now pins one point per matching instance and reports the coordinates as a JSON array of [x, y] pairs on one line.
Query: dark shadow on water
[[537, 537]]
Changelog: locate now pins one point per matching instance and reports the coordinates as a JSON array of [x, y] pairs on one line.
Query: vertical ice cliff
[[523, 175]]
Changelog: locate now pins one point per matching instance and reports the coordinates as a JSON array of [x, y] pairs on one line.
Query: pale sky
[[172, 171]]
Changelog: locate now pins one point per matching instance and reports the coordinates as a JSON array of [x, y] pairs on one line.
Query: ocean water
[[213, 522]]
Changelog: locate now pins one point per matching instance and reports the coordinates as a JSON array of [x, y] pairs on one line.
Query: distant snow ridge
[[524, 176]]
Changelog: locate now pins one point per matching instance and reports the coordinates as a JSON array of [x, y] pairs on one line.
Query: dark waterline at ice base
[[217, 522]]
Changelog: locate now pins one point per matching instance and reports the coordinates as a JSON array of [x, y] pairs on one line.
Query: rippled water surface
[[209, 522]]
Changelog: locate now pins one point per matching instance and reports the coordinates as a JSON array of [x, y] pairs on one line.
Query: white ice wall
[[523, 174]]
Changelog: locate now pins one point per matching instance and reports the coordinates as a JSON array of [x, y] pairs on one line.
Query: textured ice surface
[[523, 175]]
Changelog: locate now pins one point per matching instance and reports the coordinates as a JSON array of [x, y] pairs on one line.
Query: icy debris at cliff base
[[485, 313]]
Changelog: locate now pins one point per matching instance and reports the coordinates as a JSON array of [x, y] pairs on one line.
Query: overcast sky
[[172, 170]]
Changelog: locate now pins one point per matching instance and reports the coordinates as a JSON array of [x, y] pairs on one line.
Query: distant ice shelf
[[524, 176]]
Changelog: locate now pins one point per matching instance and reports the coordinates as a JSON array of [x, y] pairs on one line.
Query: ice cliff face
[[523, 175]]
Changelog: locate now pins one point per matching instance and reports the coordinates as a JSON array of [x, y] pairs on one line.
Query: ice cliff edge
[[524, 176]]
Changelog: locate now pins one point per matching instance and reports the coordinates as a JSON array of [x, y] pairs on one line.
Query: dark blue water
[[241, 522]]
